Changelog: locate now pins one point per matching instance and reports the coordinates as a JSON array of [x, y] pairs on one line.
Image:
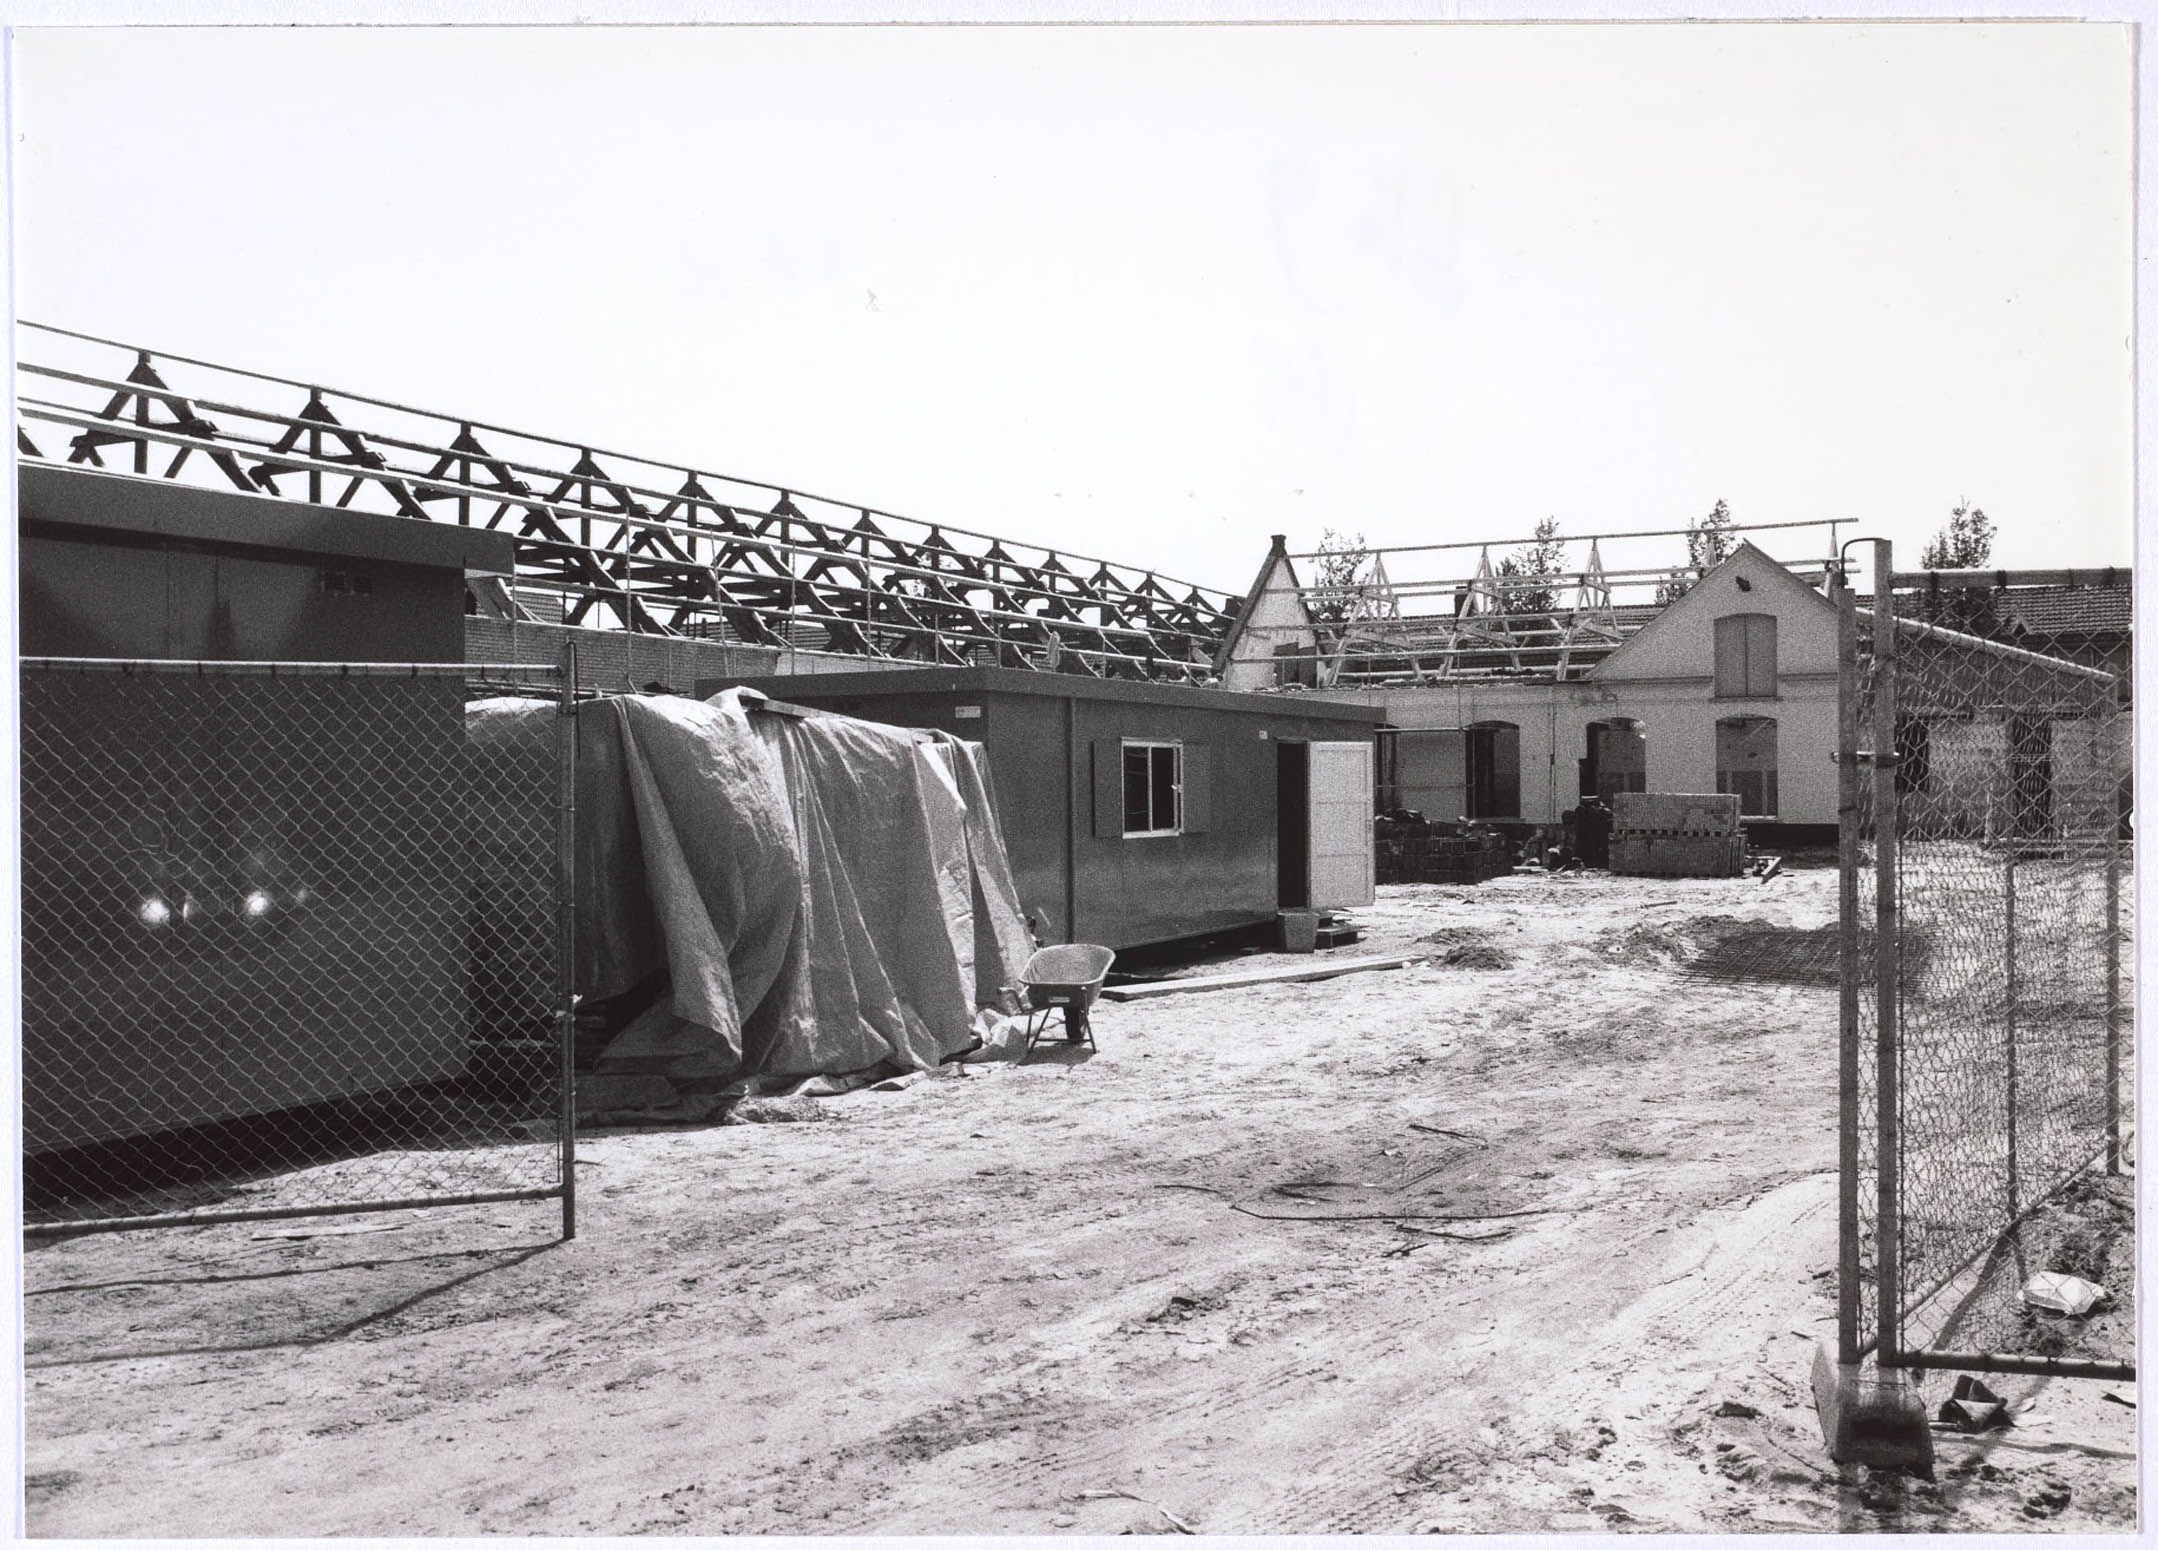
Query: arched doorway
[[2030, 777], [1617, 758], [1494, 770]]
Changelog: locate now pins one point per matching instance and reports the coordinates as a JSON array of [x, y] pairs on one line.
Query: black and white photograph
[[1073, 773]]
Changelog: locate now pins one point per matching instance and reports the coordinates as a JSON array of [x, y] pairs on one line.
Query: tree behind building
[[1965, 544], [1708, 544]]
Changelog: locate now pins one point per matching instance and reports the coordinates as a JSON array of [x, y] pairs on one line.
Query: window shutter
[[1746, 656], [1730, 657], [1761, 654], [1198, 787], [1108, 789]]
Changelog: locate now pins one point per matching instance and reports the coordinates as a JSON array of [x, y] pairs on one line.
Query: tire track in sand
[[1709, 1312]]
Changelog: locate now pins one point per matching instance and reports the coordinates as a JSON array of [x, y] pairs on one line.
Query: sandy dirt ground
[[1534, 1235]]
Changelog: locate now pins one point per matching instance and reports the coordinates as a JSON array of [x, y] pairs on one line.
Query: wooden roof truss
[[623, 542]]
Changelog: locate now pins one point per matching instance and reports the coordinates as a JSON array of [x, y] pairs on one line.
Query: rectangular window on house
[[1296, 667], [1746, 657], [348, 583], [1153, 788]]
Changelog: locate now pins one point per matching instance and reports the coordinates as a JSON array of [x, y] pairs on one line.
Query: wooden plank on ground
[[1281, 976]]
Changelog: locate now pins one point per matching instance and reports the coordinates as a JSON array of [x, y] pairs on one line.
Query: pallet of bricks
[[1676, 835], [1427, 853]]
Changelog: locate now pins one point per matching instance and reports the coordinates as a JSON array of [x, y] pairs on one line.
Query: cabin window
[[1746, 657], [1746, 763], [1153, 789], [344, 583]]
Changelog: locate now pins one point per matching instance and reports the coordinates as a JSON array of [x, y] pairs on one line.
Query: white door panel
[[1341, 857]]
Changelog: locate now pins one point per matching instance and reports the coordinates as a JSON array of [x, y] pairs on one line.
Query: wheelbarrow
[[1063, 979]]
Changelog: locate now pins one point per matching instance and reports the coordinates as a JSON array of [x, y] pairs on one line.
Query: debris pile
[[1468, 947]]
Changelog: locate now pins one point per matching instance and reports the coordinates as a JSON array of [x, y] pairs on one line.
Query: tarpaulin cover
[[826, 895]]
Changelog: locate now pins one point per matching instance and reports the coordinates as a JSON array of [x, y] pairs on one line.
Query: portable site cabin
[[1138, 813], [190, 897]]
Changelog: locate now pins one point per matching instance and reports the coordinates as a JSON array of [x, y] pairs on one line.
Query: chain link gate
[[295, 941], [1986, 901]]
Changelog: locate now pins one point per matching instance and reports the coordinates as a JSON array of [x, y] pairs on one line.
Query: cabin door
[[1341, 866]]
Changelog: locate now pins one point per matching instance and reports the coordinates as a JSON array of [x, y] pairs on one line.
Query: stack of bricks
[[1408, 855], [1669, 835]]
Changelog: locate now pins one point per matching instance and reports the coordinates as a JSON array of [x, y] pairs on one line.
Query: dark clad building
[[194, 894], [1142, 812], [118, 566]]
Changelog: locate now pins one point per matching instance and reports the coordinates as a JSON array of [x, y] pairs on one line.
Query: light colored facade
[[1698, 729], [1273, 637], [1731, 688]]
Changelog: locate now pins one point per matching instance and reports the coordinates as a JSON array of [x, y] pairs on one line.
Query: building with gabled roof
[[1732, 687]]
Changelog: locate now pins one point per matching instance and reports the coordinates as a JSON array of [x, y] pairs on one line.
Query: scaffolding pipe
[[1571, 538], [1888, 1141], [1848, 1347]]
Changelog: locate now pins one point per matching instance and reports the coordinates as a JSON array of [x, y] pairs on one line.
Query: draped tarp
[[1002, 943], [825, 895]]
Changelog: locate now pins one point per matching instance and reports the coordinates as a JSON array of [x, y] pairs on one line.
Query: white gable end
[[1680, 642], [1274, 616]]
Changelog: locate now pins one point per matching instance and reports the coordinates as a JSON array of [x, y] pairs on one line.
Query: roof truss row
[[634, 547]]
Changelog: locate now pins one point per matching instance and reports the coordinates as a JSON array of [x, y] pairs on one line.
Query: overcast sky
[[1156, 293]]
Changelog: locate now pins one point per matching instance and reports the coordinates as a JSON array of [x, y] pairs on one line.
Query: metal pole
[[2045, 1366], [2113, 1002], [566, 929], [103, 1224], [1831, 523], [1078, 788], [1847, 820], [1887, 1226], [2015, 1185]]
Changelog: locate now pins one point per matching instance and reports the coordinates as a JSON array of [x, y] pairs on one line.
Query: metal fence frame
[[562, 679], [1872, 1093]]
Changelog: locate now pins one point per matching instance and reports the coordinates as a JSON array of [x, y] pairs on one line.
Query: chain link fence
[[1987, 1029], [294, 941]]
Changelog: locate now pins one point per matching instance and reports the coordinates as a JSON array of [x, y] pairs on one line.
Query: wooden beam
[[1151, 990]]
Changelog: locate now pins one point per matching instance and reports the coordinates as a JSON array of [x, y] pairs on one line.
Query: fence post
[[2015, 1185], [1887, 1226], [2113, 1004], [566, 928], [1847, 1041]]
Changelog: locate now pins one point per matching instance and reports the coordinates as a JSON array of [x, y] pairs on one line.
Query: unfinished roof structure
[[1551, 619], [1355, 625], [613, 541]]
